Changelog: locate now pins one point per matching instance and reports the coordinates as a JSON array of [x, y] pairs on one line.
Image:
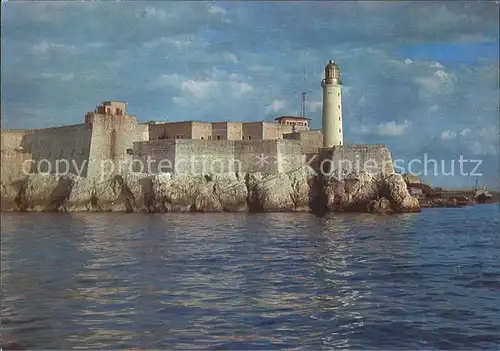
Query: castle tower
[[332, 106]]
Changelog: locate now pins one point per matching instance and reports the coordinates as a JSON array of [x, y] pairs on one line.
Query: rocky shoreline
[[299, 190]]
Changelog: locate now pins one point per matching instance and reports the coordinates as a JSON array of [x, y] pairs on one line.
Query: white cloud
[[465, 131], [240, 88], [46, 47], [216, 86], [392, 128], [275, 106], [408, 61], [230, 57], [439, 82], [169, 80], [198, 89], [448, 134], [216, 9], [478, 141], [384, 129], [64, 77], [436, 65]]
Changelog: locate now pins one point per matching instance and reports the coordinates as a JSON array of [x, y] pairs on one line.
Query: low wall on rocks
[[355, 158]]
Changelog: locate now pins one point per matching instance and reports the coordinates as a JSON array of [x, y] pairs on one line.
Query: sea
[[239, 281]]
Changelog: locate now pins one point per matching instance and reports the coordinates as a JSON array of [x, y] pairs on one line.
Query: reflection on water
[[241, 281]]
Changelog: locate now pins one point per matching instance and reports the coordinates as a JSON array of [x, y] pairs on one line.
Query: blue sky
[[418, 77]]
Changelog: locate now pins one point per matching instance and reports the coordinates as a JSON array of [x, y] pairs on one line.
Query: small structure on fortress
[[109, 135]]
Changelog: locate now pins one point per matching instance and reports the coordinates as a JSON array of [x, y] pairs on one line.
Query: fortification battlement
[[355, 147]]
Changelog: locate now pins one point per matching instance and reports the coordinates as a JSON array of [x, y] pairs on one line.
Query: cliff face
[[299, 190]]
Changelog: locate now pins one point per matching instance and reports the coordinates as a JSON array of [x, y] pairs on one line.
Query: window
[[201, 138], [218, 137], [338, 106], [339, 118], [340, 130], [209, 137], [340, 143], [243, 138], [339, 94], [249, 138]]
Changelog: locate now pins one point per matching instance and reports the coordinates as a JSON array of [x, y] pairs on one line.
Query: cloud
[[206, 91], [45, 47], [275, 105], [58, 76], [392, 128], [448, 134]]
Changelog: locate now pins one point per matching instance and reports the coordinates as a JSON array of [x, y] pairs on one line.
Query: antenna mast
[[303, 95]]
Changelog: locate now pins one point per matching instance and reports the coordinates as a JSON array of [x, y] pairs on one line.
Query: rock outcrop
[[299, 190]]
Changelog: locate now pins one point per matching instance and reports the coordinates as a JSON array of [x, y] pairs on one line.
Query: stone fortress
[[111, 137]]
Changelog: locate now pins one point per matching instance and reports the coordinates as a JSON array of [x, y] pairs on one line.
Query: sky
[[419, 77]]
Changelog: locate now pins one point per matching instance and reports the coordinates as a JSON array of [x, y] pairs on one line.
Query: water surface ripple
[[242, 281]]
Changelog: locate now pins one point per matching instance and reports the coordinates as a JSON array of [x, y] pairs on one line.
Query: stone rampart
[[355, 158], [218, 156], [59, 150], [14, 156], [112, 136]]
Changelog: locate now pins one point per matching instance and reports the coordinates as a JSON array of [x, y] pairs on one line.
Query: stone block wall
[[205, 156], [219, 156], [111, 137], [290, 155], [13, 156], [311, 141], [60, 149], [358, 157], [154, 156]]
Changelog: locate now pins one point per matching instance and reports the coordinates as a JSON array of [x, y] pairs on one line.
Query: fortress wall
[[370, 158], [111, 137], [219, 156], [290, 155], [13, 158], [205, 156], [60, 149], [257, 155], [155, 156], [311, 141]]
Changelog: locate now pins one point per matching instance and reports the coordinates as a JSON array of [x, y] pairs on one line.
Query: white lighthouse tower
[[332, 106]]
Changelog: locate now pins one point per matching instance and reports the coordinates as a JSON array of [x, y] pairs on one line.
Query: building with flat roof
[[293, 121]]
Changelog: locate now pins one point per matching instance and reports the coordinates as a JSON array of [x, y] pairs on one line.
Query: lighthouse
[[332, 106]]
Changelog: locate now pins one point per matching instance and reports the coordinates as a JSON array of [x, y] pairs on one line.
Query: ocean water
[[252, 281]]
